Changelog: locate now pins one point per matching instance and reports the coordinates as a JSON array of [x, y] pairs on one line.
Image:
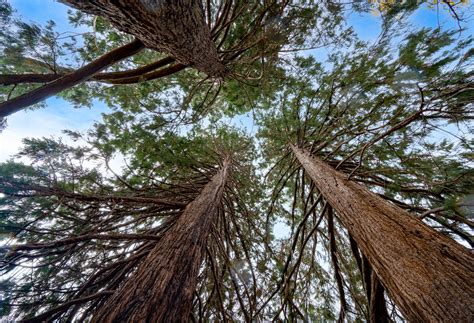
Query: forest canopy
[[247, 161]]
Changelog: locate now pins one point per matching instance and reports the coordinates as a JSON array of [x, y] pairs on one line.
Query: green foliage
[[70, 191], [379, 118], [375, 111]]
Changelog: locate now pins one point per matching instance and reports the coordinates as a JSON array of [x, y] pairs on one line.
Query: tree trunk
[[162, 288], [69, 80], [428, 275], [176, 27]]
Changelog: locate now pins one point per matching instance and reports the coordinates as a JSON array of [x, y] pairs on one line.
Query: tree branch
[[83, 74], [10, 79]]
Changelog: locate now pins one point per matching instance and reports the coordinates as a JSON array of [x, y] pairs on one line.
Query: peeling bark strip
[[69, 80], [428, 275], [335, 264], [176, 27], [162, 288], [377, 306]]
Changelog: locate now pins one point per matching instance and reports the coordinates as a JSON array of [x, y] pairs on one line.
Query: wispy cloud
[[45, 123]]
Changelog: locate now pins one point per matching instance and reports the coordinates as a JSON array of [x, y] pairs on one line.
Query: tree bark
[[176, 27], [162, 288], [375, 294], [428, 275], [83, 74]]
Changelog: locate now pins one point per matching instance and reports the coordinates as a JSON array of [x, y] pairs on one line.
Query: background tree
[[374, 117], [453, 7], [81, 234]]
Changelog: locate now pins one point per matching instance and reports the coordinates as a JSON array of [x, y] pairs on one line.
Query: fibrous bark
[[428, 275], [162, 288], [176, 27]]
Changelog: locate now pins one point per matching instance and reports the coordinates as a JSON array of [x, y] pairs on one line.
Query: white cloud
[[28, 124], [58, 115], [50, 122]]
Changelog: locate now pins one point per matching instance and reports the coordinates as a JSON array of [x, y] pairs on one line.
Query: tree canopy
[[84, 216]]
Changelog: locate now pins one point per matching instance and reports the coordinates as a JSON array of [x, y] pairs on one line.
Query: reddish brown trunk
[[428, 275], [162, 288], [69, 80], [176, 27]]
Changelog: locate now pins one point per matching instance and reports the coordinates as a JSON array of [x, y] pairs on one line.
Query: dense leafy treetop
[[253, 42]]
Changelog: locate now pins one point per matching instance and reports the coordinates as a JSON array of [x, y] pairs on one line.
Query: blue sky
[[59, 114], [40, 11]]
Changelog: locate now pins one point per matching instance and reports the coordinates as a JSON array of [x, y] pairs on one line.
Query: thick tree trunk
[[69, 80], [428, 275], [176, 27], [162, 288]]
